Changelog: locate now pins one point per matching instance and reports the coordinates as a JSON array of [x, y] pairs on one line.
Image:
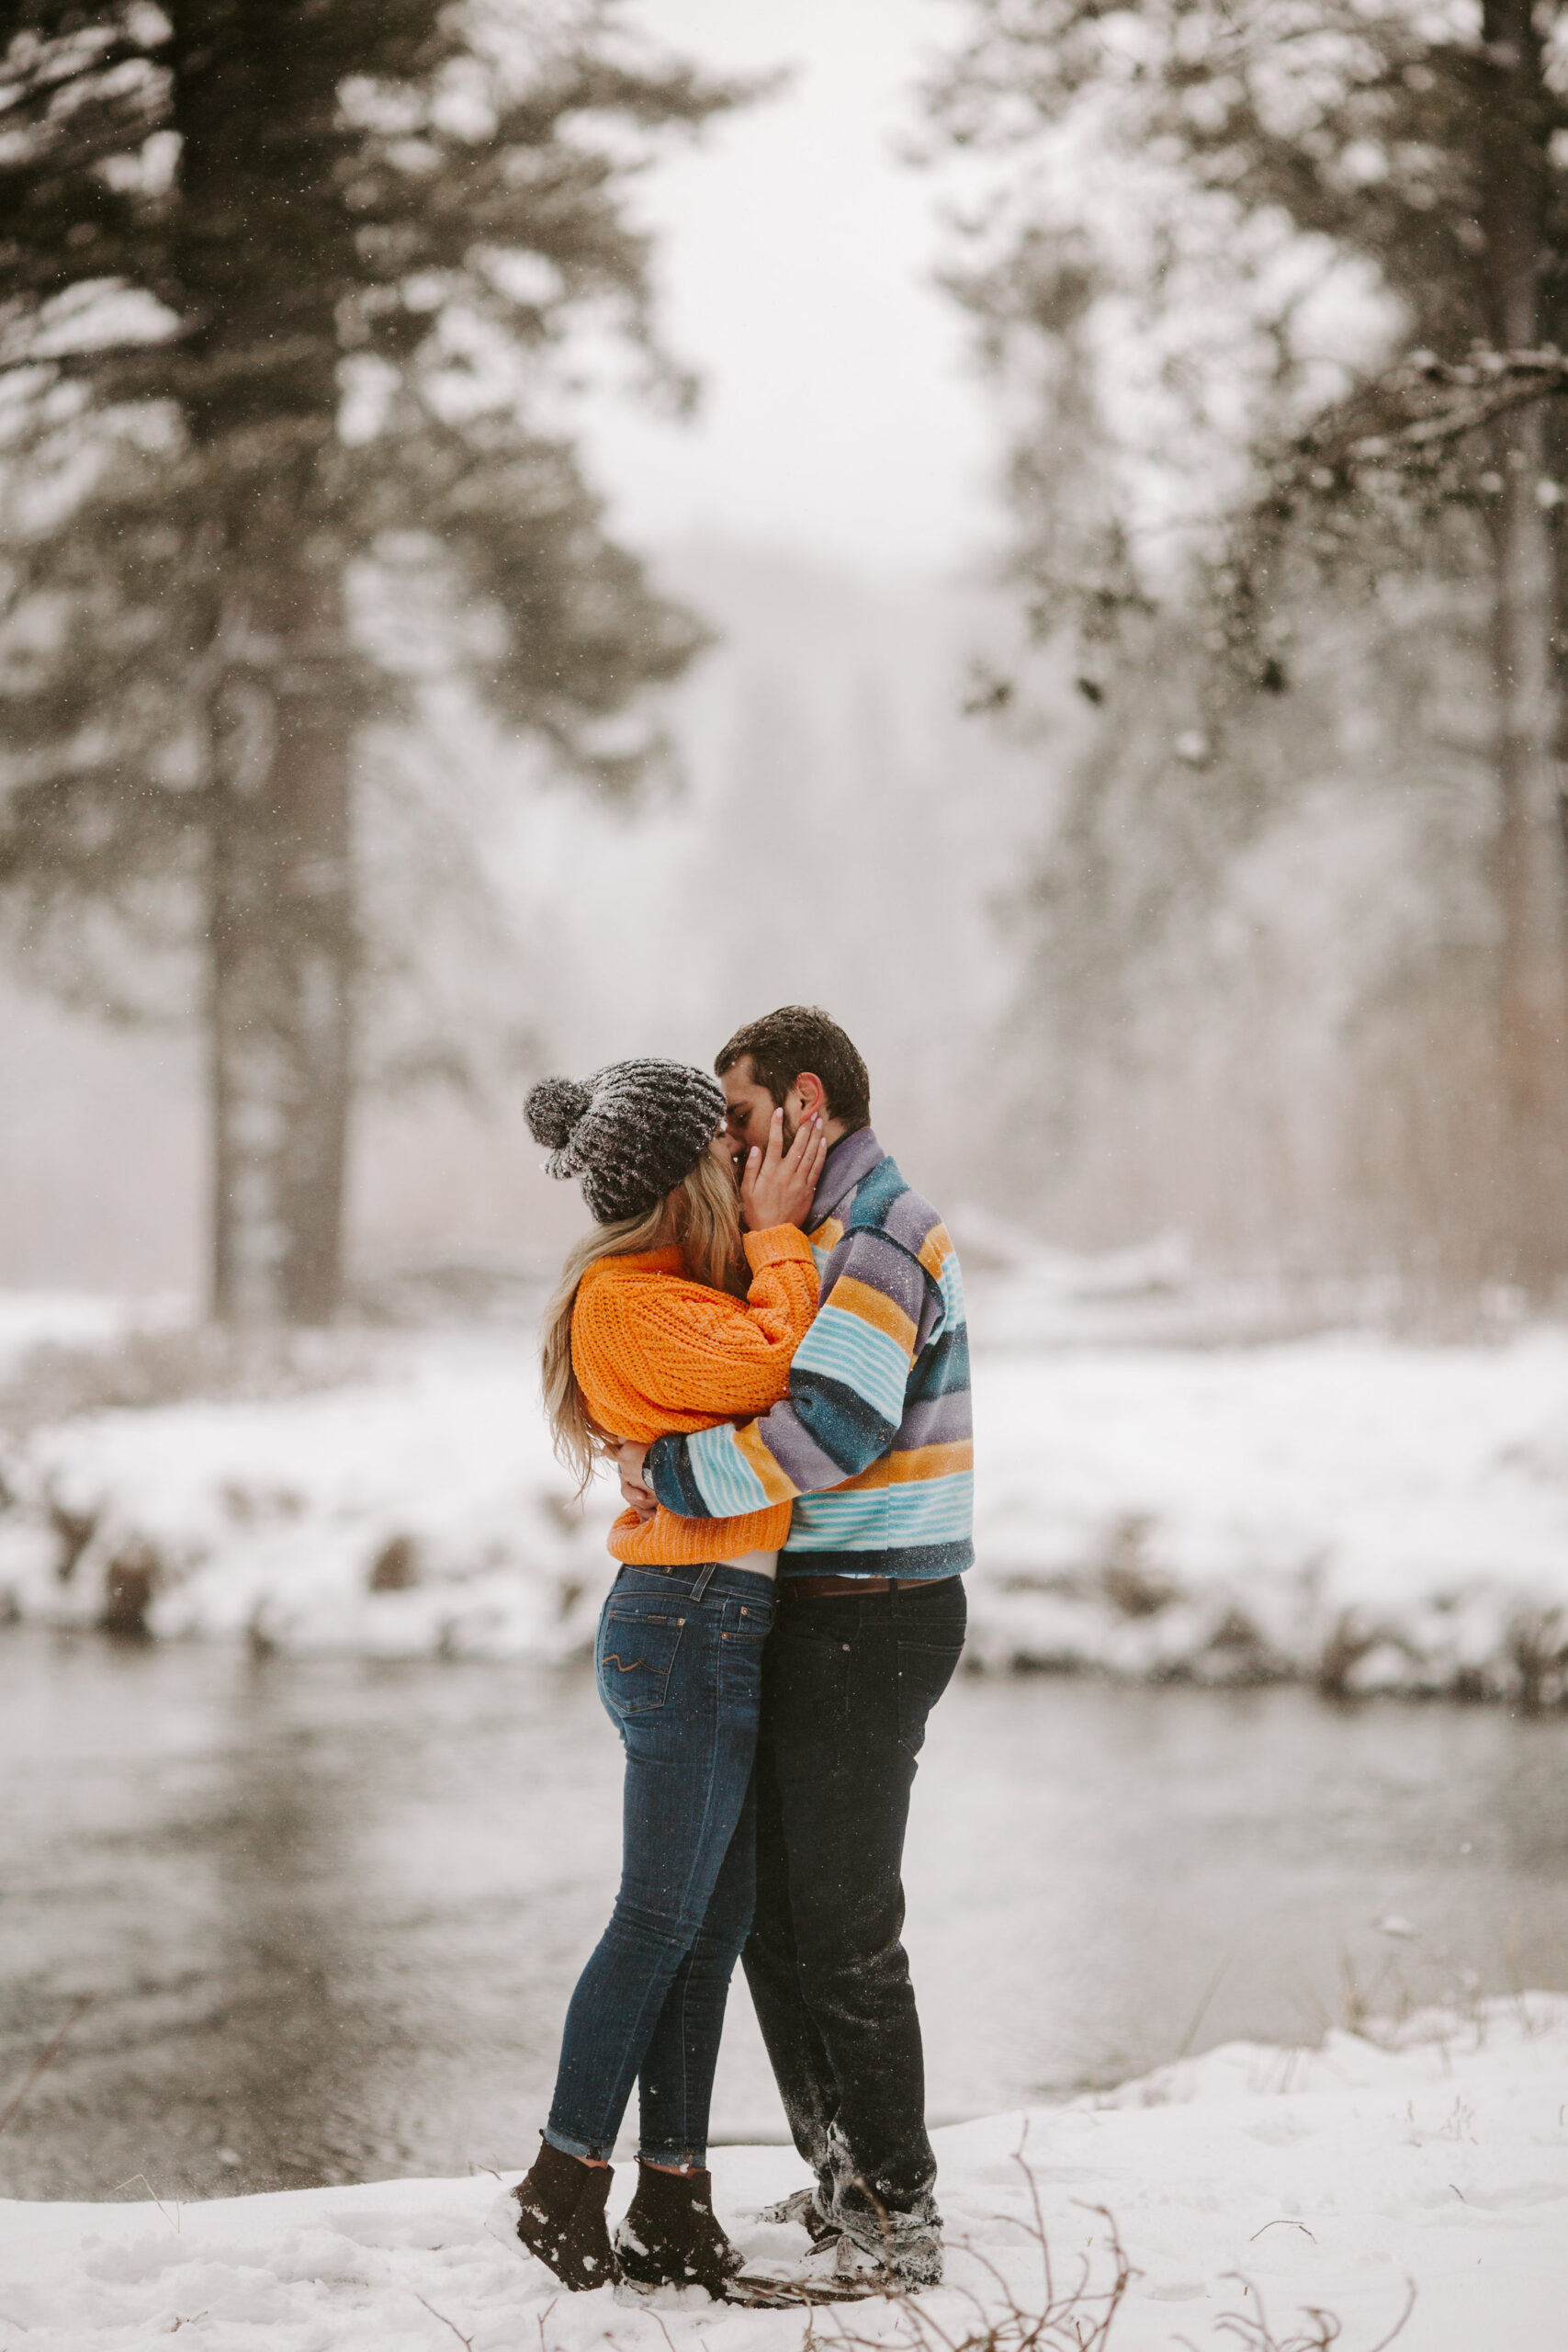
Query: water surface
[[330, 1910]]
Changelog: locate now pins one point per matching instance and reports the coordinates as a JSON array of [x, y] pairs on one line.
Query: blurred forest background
[[1093, 615]]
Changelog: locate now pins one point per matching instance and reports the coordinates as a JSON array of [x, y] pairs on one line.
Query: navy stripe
[[667, 1471], [850, 1431], [875, 1195], [943, 1370]]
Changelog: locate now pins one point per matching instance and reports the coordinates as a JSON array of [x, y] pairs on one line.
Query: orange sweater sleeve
[[656, 1352]]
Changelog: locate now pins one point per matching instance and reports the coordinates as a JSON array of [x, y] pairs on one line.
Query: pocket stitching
[[625, 1704]]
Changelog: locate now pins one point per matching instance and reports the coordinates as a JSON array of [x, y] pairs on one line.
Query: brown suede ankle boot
[[669, 2236], [560, 2217]]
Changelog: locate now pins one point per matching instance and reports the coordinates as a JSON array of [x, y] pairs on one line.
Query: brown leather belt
[[835, 1587]]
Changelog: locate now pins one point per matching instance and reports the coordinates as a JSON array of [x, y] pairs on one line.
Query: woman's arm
[[689, 1349]]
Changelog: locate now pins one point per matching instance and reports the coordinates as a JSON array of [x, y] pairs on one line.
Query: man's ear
[[813, 1095]]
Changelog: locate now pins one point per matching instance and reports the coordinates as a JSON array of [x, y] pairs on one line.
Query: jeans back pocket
[[633, 1658]]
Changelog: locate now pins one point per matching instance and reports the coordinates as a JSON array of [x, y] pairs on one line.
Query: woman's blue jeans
[[679, 1663]]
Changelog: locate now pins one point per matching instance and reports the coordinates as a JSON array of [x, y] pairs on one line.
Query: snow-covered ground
[[1365, 1510], [1253, 2183]]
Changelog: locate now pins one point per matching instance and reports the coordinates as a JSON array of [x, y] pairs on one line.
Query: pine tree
[[290, 285], [1424, 148]]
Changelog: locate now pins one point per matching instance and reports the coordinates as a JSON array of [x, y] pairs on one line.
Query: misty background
[[830, 828], [1106, 988]]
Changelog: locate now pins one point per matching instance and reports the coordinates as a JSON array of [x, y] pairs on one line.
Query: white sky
[[840, 413]]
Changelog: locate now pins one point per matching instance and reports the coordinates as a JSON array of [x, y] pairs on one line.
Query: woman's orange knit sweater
[[654, 1351]]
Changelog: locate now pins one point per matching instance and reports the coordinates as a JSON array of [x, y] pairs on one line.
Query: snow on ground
[[1253, 2181], [30, 1319], [1350, 1507]]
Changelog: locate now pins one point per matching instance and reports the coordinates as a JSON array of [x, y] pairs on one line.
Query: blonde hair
[[703, 1215]]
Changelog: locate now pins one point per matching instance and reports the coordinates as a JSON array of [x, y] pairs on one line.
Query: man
[[872, 1448]]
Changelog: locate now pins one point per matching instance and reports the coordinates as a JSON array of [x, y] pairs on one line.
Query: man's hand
[[635, 1492], [777, 1187]]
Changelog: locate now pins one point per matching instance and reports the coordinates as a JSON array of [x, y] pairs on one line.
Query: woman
[[654, 1327]]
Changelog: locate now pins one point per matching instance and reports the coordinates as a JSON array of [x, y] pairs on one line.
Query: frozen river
[[329, 1911]]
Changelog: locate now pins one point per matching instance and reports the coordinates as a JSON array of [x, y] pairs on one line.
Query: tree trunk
[[281, 968], [266, 241], [1531, 869]]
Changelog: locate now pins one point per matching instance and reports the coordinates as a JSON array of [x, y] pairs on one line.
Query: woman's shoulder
[[630, 1268], [612, 1287]]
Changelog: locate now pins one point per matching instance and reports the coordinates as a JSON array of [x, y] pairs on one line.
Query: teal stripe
[[845, 1347], [726, 1480], [951, 1285], [840, 1523], [929, 1510]]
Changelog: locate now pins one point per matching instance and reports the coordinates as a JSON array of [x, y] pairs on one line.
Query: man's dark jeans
[[848, 1682]]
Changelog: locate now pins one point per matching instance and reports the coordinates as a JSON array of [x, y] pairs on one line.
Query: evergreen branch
[[1404, 419]]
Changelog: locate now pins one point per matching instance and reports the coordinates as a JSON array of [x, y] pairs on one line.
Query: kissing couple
[[765, 1330]]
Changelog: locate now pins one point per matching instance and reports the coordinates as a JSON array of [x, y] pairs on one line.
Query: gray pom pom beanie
[[632, 1131]]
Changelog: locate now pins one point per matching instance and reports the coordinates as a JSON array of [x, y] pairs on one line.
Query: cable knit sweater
[[655, 1352]]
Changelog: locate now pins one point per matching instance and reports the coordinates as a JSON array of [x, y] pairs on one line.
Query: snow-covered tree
[[1338, 231], [290, 290]]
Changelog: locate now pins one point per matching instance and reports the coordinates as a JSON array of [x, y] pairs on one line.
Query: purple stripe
[[871, 1258], [936, 1421], [909, 1220], [797, 1452]]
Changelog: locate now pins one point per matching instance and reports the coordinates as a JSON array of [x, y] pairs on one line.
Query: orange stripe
[[909, 1467], [751, 1449], [827, 1235], [931, 1462], [875, 1307], [934, 1251]]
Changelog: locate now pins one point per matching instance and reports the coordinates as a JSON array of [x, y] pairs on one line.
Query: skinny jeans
[[678, 1665], [848, 1684]]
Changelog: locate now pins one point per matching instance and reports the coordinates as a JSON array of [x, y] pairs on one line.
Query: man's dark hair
[[796, 1038]]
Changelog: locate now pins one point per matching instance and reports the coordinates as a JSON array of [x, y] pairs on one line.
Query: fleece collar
[[849, 1163]]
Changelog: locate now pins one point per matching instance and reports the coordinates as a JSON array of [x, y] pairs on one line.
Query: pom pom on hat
[[553, 1109]]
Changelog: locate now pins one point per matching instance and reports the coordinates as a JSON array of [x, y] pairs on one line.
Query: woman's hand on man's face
[[777, 1187]]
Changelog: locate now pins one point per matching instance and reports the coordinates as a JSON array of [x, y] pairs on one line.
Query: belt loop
[[705, 1575]]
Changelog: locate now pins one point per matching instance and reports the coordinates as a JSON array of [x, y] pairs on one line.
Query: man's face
[[751, 1109]]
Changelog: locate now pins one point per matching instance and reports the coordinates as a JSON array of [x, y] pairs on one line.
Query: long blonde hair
[[703, 1215]]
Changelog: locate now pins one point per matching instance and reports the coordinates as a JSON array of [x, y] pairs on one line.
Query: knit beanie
[[631, 1130]]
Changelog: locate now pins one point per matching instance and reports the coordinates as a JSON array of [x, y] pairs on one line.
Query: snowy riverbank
[[1351, 1509], [1256, 2181]]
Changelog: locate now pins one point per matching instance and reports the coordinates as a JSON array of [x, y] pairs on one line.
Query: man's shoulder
[[885, 1203]]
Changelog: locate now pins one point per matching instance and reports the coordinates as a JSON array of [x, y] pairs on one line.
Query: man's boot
[[669, 2236], [560, 2217], [810, 2208]]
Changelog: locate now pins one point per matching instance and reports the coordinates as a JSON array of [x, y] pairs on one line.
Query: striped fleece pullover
[[873, 1442]]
